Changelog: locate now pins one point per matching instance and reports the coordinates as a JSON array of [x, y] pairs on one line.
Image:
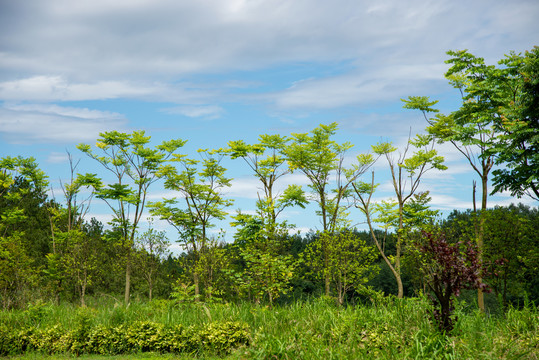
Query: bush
[[448, 269], [142, 336]]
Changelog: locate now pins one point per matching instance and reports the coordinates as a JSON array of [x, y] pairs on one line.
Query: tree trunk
[[480, 237], [400, 288], [197, 289], [83, 289], [394, 271], [127, 280]]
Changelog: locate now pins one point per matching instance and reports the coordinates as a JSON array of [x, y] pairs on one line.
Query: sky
[[212, 71]]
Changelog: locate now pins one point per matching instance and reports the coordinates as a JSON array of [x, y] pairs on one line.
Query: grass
[[317, 329]]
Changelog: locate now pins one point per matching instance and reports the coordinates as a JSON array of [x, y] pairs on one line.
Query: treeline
[[39, 266], [50, 250]]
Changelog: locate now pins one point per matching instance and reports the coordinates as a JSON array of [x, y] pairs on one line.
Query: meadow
[[307, 329]]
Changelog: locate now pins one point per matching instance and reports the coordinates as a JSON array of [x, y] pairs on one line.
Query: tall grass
[[318, 329]]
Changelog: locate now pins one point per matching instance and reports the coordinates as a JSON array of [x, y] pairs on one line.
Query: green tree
[[406, 173], [152, 246], [351, 261], [318, 157], [510, 239], [20, 178], [265, 269], [72, 253], [200, 183], [474, 128], [268, 165], [510, 254], [517, 147], [135, 167]]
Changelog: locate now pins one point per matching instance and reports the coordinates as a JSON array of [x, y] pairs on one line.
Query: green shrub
[[142, 336], [222, 337], [7, 343]]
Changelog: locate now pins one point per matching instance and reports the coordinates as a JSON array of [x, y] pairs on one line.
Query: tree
[[201, 190], [510, 238], [152, 247], [350, 262], [493, 124], [268, 165], [267, 271], [135, 168], [72, 250], [318, 157], [510, 254], [448, 269], [20, 179], [406, 173], [517, 147]]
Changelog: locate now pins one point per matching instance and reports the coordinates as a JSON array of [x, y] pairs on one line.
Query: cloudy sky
[[211, 71]]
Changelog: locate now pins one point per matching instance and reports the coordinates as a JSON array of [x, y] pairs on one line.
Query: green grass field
[[314, 329]]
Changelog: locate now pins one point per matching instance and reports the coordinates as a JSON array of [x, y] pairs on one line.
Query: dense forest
[[50, 251]]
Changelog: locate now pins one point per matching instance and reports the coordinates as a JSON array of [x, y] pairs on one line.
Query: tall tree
[[268, 165], [473, 129], [135, 167], [517, 147], [319, 157], [20, 179], [71, 247], [200, 183], [406, 173], [267, 271]]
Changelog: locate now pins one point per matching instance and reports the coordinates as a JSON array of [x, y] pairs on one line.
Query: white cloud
[[206, 112], [389, 82], [60, 88], [57, 157], [246, 188], [167, 39], [31, 123]]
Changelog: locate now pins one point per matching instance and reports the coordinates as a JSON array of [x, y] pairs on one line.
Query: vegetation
[[336, 293], [387, 329]]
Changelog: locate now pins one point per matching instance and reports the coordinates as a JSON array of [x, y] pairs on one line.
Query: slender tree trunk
[[197, 288], [327, 279], [377, 243], [480, 237], [127, 294], [83, 289], [400, 287], [150, 286]]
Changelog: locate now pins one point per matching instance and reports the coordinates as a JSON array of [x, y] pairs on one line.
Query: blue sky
[[211, 71]]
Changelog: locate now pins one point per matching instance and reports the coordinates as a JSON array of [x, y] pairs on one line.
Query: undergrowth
[[311, 329]]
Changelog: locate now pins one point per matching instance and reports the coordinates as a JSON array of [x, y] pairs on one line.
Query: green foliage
[[141, 336], [309, 329], [152, 246], [266, 271], [517, 147], [318, 157], [345, 258], [22, 237], [409, 209], [128, 158], [201, 183]]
